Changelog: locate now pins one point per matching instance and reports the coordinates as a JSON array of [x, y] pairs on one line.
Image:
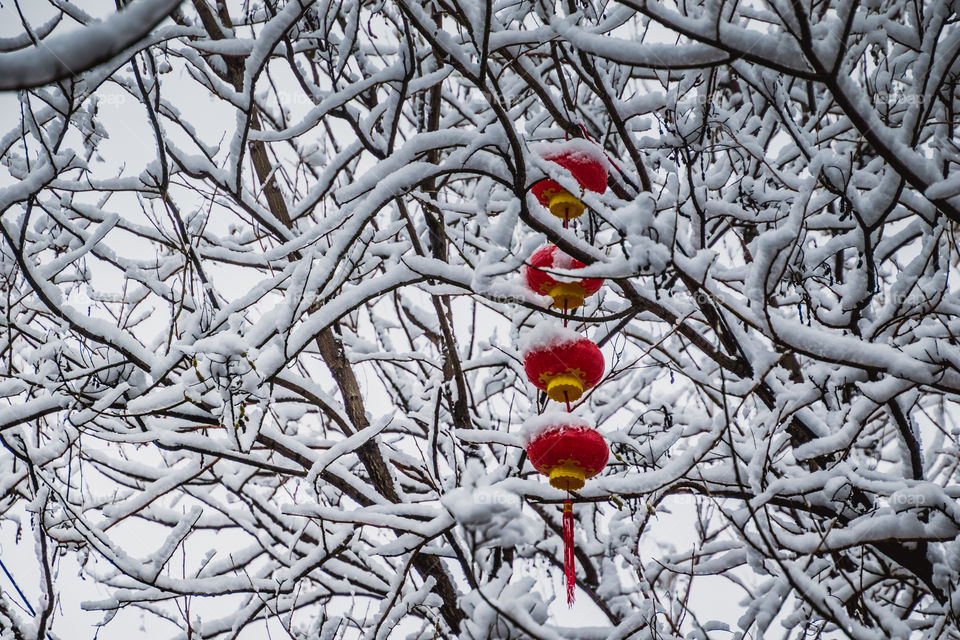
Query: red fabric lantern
[[566, 295], [561, 362], [586, 162], [569, 451], [566, 449]]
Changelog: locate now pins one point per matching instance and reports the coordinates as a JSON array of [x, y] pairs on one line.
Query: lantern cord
[[569, 559]]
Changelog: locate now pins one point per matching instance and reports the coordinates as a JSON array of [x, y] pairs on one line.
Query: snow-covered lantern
[[569, 451], [565, 448], [567, 293], [586, 162], [561, 362]]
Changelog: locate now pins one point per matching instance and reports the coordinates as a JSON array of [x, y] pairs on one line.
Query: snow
[[345, 446], [484, 436], [25, 40], [943, 189], [549, 421], [576, 148], [547, 334], [474, 506], [634, 52], [223, 344], [68, 55]]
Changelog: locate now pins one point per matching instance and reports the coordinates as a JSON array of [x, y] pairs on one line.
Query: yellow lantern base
[[567, 296], [567, 477], [565, 206], [565, 388]]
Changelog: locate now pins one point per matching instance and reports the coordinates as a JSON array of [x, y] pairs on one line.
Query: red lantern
[[561, 362], [566, 295], [588, 165], [568, 450]]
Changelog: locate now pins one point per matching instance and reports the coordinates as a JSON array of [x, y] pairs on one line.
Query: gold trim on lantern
[[567, 476], [565, 387], [565, 205], [567, 295]]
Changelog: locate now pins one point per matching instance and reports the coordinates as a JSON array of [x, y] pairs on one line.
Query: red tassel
[[569, 559]]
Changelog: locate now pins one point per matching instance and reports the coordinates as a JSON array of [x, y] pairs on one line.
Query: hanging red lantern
[[561, 362], [586, 162], [566, 294], [569, 451], [565, 448]]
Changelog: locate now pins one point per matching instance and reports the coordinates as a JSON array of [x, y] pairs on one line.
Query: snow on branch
[[69, 55]]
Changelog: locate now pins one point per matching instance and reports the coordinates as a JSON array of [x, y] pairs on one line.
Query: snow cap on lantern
[[565, 448], [560, 361], [588, 165], [567, 293]]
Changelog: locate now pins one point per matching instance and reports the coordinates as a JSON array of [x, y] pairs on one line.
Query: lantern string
[[569, 558]]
